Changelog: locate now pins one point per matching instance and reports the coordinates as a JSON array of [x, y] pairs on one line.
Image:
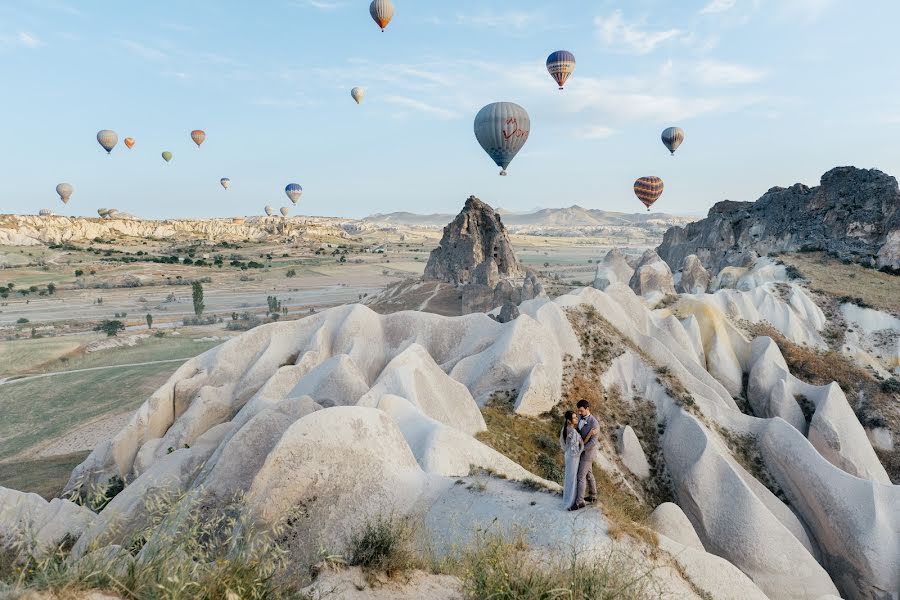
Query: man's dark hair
[[583, 404]]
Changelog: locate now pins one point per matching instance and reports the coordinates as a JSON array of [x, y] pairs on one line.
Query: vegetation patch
[[385, 545], [745, 450]]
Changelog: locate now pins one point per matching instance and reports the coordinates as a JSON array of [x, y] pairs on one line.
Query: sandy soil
[[85, 437]]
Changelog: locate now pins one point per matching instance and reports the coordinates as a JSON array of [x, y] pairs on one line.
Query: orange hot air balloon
[[198, 135], [129, 142], [648, 190]]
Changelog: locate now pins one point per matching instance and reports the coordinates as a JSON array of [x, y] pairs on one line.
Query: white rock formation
[[38, 524], [652, 278], [692, 278], [613, 269], [631, 453], [669, 520]]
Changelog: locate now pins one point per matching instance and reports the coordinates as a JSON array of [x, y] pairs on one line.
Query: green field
[[26, 355], [45, 408], [43, 476]]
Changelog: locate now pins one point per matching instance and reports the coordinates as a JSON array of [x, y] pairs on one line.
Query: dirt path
[[9, 380]]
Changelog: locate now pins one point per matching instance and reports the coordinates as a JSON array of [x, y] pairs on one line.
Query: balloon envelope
[[167, 156], [198, 135], [225, 182], [102, 211], [357, 93], [382, 12], [65, 191], [129, 142], [45, 212], [560, 65], [648, 190], [502, 128], [108, 139], [672, 138], [293, 191], [284, 211], [269, 211]]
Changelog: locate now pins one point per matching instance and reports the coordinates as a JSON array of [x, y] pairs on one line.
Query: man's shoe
[[590, 499], [578, 506]]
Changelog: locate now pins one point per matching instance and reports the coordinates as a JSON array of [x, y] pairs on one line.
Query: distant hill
[[571, 217]]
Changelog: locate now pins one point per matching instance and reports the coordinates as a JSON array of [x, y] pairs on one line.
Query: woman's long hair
[[567, 417]]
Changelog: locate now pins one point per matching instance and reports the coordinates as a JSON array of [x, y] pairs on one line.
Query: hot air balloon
[[45, 212], [108, 139], [225, 182], [502, 129], [672, 138], [269, 211], [112, 213], [167, 156], [293, 191], [102, 212], [198, 135], [284, 211], [65, 191], [382, 12], [358, 93], [648, 190], [129, 141], [560, 65]]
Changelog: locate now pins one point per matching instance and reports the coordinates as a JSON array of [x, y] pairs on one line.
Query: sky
[[769, 92]]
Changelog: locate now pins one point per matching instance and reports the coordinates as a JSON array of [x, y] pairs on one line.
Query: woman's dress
[[572, 445]]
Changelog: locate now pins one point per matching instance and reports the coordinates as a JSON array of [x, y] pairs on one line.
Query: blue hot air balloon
[[502, 129], [293, 191], [672, 138], [560, 65]]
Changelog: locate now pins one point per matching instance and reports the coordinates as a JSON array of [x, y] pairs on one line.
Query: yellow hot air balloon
[[167, 156], [129, 142], [198, 135], [648, 190]]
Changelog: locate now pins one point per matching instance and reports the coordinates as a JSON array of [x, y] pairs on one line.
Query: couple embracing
[[578, 439]]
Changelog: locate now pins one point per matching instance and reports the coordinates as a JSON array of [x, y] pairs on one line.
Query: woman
[[572, 445]]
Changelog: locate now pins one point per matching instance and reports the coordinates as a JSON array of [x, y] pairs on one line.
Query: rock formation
[[854, 214], [693, 278], [613, 269], [475, 248], [652, 277]]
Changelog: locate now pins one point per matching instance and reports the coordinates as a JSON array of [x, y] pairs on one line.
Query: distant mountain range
[[573, 216]]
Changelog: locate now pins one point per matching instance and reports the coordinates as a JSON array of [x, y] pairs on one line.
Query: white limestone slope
[[347, 413]]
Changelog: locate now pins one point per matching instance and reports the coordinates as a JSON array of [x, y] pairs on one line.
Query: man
[[589, 428]]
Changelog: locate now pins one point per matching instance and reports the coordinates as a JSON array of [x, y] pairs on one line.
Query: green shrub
[[384, 545]]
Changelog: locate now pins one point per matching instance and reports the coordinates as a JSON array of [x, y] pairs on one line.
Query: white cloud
[[595, 132], [716, 73], [21, 39], [423, 107], [145, 52], [324, 4], [509, 20], [803, 9], [718, 6], [614, 30]]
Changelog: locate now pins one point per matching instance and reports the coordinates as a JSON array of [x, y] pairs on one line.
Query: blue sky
[[769, 92]]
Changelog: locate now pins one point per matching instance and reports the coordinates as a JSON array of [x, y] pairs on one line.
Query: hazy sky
[[769, 92]]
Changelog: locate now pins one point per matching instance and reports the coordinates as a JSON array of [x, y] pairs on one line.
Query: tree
[[291, 273], [51, 288], [110, 328], [149, 321], [197, 291], [78, 272]]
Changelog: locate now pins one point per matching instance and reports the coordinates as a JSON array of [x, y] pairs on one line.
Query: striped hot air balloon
[[225, 182], [167, 156], [502, 128], [284, 211], [65, 191], [358, 94], [672, 138], [293, 191], [198, 135], [382, 12], [45, 212], [108, 139], [103, 212], [560, 65], [648, 190], [129, 141]]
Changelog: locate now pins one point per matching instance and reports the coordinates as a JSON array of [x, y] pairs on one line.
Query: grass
[[147, 350], [25, 355], [832, 277], [43, 476], [385, 545], [42, 409], [503, 568]]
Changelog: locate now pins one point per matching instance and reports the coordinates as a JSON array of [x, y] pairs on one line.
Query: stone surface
[[694, 278], [613, 269], [854, 213], [631, 452], [353, 584], [652, 278], [475, 248], [508, 312], [669, 520]]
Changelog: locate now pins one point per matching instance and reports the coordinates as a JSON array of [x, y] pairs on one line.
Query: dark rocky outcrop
[[475, 248], [854, 214]]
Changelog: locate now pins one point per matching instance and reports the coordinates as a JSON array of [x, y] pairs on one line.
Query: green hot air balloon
[[167, 156], [108, 139], [502, 128], [672, 138]]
